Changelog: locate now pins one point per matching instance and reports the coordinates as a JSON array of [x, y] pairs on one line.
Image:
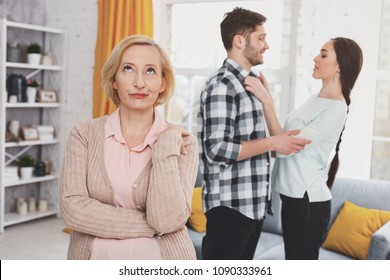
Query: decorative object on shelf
[[14, 127], [14, 52], [32, 87], [47, 167], [46, 95], [12, 99], [26, 166], [10, 174], [30, 133], [46, 132], [42, 205], [47, 59], [21, 206], [9, 137], [40, 169], [16, 86], [32, 204], [34, 53]]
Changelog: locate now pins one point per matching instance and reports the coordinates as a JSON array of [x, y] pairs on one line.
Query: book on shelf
[[10, 174]]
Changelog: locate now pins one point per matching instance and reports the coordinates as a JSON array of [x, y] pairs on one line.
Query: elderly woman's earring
[[336, 78]]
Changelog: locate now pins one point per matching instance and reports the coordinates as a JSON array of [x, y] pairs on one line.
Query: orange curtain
[[116, 20]]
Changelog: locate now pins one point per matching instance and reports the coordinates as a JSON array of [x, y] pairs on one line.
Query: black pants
[[230, 235], [304, 227]]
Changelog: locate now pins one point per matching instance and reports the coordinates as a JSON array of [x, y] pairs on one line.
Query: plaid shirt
[[228, 116]]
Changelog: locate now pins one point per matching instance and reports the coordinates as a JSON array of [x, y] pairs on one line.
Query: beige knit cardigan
[[162, 193]]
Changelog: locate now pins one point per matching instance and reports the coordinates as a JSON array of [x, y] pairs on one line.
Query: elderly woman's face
[[139, 79]]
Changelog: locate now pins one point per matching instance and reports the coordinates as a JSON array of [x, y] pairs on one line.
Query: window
[[380, 162], [196, 54]]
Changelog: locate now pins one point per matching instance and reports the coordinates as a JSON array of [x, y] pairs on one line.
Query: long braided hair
[[350, 59]]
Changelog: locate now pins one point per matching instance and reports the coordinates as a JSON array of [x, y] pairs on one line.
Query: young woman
[[128, 177], [302, 179]]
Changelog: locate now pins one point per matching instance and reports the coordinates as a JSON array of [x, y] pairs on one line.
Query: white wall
[[320, 21], [79, 19]]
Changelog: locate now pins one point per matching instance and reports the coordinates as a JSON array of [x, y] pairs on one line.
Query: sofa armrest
[[380, 244]]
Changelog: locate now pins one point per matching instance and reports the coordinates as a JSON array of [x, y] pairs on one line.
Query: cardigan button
[[135, 186]]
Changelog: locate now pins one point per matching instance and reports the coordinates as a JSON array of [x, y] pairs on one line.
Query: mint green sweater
[[162, 194], [321, 120]]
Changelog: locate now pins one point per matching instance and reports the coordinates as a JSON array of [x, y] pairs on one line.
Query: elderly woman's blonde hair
[[112, 65]]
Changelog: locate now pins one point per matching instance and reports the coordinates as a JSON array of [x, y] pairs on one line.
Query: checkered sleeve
[[220, 110]]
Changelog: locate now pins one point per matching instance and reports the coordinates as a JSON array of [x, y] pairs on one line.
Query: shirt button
[[138, 207], [135, 186]]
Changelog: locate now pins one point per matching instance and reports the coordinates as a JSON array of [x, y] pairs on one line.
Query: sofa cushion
[[353, 228], [197, 238], [365, 193], [273, 223], [197, 220], [331, 255], [269, 247]]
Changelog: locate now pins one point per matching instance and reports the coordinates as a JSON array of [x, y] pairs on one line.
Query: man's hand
[[286, 143]]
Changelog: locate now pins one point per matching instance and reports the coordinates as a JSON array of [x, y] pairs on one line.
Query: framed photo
[[30, 133], [47, 95]]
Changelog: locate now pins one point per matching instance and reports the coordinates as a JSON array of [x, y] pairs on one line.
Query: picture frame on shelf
[[47, 96], [30, 133]]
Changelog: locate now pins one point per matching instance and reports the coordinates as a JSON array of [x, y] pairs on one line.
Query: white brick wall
[[79, 20]]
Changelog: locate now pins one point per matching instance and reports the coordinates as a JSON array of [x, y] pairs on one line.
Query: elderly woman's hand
[[177, 131]]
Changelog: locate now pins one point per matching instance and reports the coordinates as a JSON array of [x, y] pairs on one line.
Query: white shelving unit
[[50, 77]]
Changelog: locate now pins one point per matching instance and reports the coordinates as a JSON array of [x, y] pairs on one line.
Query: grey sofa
[[365, 193]]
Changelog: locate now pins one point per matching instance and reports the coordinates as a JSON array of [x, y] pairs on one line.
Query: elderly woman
[[128, 177]]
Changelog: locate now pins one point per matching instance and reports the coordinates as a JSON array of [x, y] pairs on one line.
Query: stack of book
[[46, 132], [11, 174]]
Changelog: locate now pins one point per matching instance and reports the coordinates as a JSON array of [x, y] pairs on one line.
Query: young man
[[233, 144]]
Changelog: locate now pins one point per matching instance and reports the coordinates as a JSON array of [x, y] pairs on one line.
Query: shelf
[[51, 77], [30, 143], [32, 105], [32, 66], [33, 27], [14, 218], [31, 181]]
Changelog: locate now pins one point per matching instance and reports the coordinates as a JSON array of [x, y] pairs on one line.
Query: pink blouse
[[123, 166]]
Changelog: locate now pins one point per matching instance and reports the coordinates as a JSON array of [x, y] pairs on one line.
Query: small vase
[[34, 58], [14, 127], [22, 208], [42, 205], [31, 94], [26, 172], [47, 59]]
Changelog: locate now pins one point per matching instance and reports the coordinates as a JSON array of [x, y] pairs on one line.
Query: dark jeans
[[304, 227], [230, 235]]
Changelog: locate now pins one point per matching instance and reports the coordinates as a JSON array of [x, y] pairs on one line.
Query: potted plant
[[34, 53], [26, 165], [32, 86]]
